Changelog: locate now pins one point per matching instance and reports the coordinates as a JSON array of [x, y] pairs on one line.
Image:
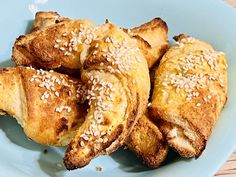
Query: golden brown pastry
[[57, 46], [45, 19], [43, 102], [151, 38], [147, 142], [115, 72], [190, 90]]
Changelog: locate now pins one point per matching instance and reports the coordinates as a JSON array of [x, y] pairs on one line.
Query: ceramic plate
[[212, 21]]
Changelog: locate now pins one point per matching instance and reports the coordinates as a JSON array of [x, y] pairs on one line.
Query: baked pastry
[[44, 103], [190, 90], [57, 46], [147, 141], [151, 38], [111, 65], [115, 71]]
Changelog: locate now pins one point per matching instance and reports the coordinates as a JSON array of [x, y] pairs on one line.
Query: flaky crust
[[190, 91], [53, 47], [44, 103], [122, 76], [152, 38], [147, 142]]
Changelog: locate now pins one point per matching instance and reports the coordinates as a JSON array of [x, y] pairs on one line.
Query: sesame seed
[[62, 48], [188, 99], [86, 138], [42, 97], [209, 97], [164, 84], [96, 46], [57, 93], [57, 110], [58, 40], [82, 143], [222, 85], [198, 104], [56, 46], [105, 140], [70, 49], [107, 40]]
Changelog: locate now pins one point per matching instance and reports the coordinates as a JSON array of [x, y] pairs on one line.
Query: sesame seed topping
[[62, 48], [198, 104], [96, 46], [82, 143], [58, 40], [57, 94], [56, 46], [30, 67], [61, 108]]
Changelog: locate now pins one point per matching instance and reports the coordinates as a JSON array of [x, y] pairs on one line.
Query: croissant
[[114, 71], [190, 90], [44, 103], [151, 38], [147, 141]]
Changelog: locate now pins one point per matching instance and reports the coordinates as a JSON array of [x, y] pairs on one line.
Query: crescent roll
[[43, 102], [190, 90], [147, 141], [151, 38]]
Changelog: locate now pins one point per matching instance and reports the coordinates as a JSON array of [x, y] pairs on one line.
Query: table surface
[[229, 168]]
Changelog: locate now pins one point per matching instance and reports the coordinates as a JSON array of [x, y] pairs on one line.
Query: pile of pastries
[[97, 88]]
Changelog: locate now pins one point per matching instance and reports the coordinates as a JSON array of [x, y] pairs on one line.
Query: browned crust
[[71, 161], [77, 155], [193, 123], [50, 127], [37, 48], [151, 25], [147, 142], [152, 39]]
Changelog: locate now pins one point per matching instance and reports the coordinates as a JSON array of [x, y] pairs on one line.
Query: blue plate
[[211, 20]]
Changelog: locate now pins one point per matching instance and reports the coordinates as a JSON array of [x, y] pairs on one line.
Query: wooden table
[[229, 168]]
